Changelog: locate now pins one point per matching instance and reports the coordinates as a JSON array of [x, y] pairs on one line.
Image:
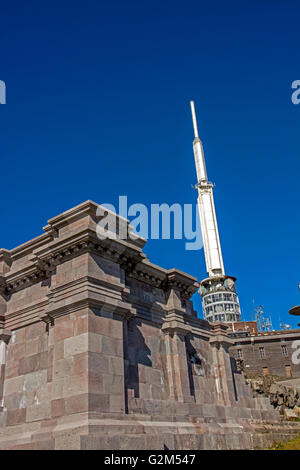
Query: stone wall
[[101, 349]]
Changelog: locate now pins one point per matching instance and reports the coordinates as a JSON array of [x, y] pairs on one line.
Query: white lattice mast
[[219, 300]]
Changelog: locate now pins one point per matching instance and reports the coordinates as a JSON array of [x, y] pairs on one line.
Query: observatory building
[[219, 299]]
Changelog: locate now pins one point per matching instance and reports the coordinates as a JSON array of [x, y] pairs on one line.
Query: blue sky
[[98, 106]]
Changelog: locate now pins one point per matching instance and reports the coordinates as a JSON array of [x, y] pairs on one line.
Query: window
[[227, 296], [288, 371], [284, 350], [217, 297], [240, 354], [219, 308], [265, 370], [261, 352], [229, 308]]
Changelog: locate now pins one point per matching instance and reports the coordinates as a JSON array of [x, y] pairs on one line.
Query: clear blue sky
[[98, 106]]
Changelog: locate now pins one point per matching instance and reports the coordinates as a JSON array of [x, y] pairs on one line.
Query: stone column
[[175, 330], [4, 339], [222, 365]]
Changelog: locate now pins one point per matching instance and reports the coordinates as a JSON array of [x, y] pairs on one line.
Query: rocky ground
[[284, 394]]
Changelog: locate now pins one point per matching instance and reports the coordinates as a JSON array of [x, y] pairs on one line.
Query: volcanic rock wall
[[101, 349]]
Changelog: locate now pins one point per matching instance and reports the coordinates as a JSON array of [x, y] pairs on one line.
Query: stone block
[[81, 324], [76, 345], [68, 441], [116, 365], [44, 393], [99, 402], [15, 400], [136, 442], [15, 417], [35, 380], [77, 403], [95, 442], [34, 331], [13, 385], [38, 412], [95, 342], [75, 385], [27, 446], [117, 403], [81, 363], [209, 411], [43, 343], [29, 364], [46, 444], [113, 384], [112, 346], [33, 363], [63, 329], [18, 336], [31, 347], [98, 362], [17, 351], [63, 368], [95, 382], [57, 389], [59, 350]]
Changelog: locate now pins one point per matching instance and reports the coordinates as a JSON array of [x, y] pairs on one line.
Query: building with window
[[267, 352], [261, 352]]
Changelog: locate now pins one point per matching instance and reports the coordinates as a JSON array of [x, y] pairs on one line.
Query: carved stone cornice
[[219, 335], [43, 260], [5, 335], [73, 234], [86, 292], [142, 273], [44, 263], [186, 284], [123, 310], [165, 279], [25, 315], [175, 324]]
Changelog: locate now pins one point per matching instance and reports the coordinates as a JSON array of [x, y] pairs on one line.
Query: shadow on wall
[[194, 362], [234, 371], [137, 353]]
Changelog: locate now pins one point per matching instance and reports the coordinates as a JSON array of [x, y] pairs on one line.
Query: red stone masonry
[[101, 349]]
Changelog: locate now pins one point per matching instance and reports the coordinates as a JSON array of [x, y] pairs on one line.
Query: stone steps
[[166, 441], [158, 435], [266, 434]]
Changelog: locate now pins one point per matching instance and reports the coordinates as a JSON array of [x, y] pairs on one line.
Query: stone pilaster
[[175, 330], [5, 263], [4, 339], [222, 365]]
